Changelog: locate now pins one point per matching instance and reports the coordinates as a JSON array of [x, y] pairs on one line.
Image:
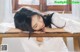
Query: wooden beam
[[43, 5], [59, 8], [54, 34], [14, 5]]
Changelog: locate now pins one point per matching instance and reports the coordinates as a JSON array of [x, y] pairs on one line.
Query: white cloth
[[4, 27], [57, 20], [72, 26], [48, 45]]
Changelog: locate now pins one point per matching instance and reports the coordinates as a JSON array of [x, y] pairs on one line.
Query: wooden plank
[[54, 34], [43, 5], [76, 44], [65, 40], [79, 41], [0, 40]]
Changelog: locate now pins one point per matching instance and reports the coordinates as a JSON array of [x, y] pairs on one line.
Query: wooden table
[[17, 33]]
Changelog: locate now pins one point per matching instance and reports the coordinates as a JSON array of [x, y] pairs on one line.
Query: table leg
[[0, 40], [65, 40], [76, 44]]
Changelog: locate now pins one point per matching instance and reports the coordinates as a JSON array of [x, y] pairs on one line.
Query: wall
[[76, 9], [1, 10]]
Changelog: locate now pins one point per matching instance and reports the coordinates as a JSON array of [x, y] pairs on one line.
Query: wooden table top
[[19, 33]]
